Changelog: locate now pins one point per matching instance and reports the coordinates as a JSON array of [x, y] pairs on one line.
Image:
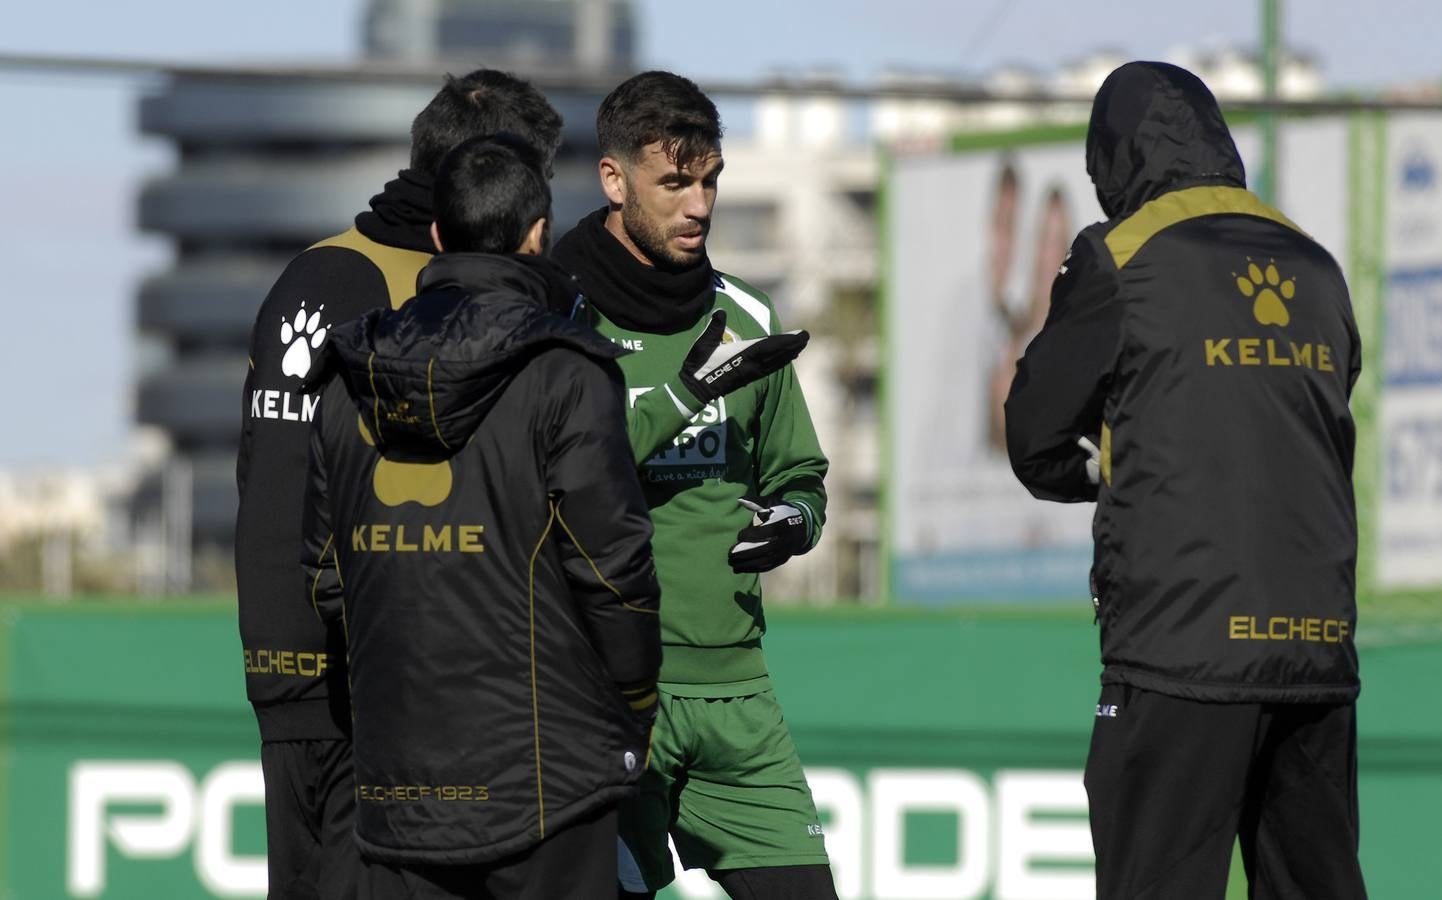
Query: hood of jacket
[[1156, 128], [423, 377]]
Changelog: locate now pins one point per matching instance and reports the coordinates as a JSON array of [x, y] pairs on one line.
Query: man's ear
[[534, 243], [436, 237], [613, 180]]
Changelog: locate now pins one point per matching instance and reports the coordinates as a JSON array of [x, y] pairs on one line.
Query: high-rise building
[[524, 34], [268, 162]]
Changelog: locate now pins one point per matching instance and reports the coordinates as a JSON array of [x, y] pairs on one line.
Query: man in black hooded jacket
[[1202, 349], [475, 523], [294, 664]]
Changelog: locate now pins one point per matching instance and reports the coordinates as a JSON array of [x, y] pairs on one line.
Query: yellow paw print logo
[[1265, 285], [396, 482]]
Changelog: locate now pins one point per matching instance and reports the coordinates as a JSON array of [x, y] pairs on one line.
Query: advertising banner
[[132, 759], [975, 240], [1409, 542], [945, 753]]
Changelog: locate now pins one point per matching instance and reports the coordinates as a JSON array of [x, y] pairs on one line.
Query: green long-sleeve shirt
[[696, 460]]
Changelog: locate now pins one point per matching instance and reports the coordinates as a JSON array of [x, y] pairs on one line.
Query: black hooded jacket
[[1208, 347], [295, 665], [475, 523]]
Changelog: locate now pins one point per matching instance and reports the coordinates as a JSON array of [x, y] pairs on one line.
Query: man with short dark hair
[[733, 476], [484, 102], [294, 665], [1202, 349], [475, 525], [493, 199]]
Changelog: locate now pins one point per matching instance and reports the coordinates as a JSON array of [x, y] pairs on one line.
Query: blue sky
[[73, 162]]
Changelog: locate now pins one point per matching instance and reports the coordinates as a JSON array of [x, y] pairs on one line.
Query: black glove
[[777, 532], [715, 367]]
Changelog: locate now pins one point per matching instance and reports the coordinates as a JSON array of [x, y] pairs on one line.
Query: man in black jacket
[[475, 522], [1202, 349], [295, 665]]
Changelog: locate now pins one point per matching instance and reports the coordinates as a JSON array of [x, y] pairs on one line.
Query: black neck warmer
[[630, 293], [401, 214]]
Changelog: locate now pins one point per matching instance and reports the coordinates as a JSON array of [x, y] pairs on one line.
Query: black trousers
[[1173, 783], [309, 820], [576, 863]]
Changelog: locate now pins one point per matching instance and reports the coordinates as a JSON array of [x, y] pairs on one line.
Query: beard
[[653, 240]]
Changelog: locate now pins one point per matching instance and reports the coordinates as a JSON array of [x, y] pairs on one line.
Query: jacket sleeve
[[320, 557], [789, 458], [1354, 366], [242, 458], [603, 526], [338, 283], [247, 421], [1061, 382]]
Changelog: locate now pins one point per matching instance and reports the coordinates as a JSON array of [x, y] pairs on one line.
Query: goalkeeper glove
[[777, 533], [715, 367]]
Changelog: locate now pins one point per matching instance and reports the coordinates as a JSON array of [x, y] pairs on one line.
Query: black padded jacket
[[1208, 346], [294, 664], [475, 523]]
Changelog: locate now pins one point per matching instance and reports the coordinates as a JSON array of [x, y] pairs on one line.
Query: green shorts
[[726, 784]]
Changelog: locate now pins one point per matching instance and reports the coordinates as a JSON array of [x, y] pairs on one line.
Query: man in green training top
[[733, 476]]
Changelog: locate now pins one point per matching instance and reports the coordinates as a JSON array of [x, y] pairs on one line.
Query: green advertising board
[[945, 750], [130, 758]]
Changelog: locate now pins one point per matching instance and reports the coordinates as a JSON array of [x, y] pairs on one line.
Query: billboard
[[901, 833], [945, 752], [1409, 540], [151, 827], [975, 240], [131, 760]]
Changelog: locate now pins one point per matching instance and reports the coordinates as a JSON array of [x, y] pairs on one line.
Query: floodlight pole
[[1266, 183]]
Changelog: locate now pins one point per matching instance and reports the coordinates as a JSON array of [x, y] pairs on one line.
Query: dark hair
[[483, 102], [488, 193], [658, 107]]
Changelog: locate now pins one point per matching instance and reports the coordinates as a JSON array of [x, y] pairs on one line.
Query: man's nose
[[694, 205]]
